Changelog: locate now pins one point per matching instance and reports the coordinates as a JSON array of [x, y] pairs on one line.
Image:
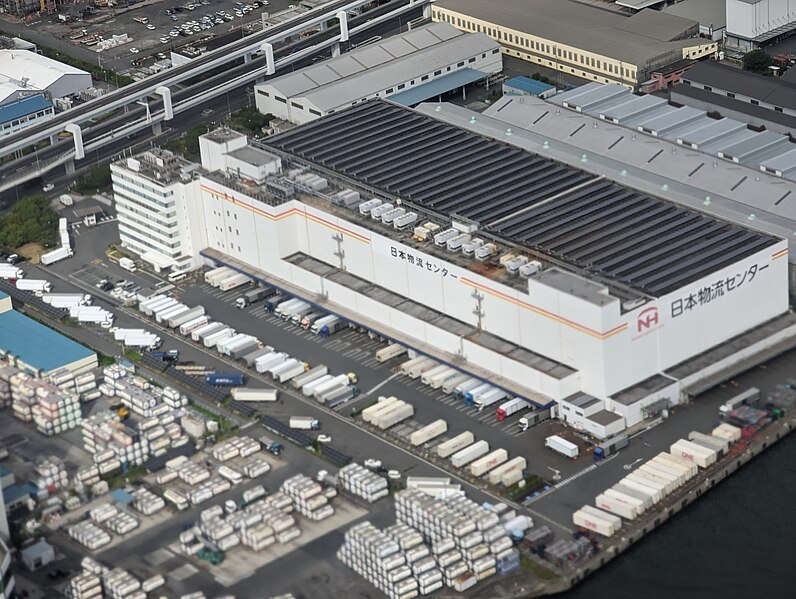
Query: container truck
[[318, 324], [430, 375], [561, 446], [394, 415], [333, 326], [750, 396], [212, 340], [473, 394], [234, 281], [510, 407], [312, 374], [128, 264], [469, 454], [308, 319], [120, 334], [83, 299], [489, 398], [596, 520], [449, 385], [610, 447], [336, 398], [271, 446], [162, 316], [701, 456], [287, 373], [286, 308], [483, 465], [34, 285], [299, 313], [55, 255], [190, 326], [225, 380], [253, 296], [150, 300], [382, 403], [305, 423], [244, 394], [217, 274], [272, 303], [144, 341], [170, 356], [465, 387], [201, 333], [164, 302], [534, 418], [288, 364], [95, 317], [428, 432], [391, 351], [418, 368], [270, 360], [614, 506], [336, 381], [309, 388], [459, 442], [191, 314]]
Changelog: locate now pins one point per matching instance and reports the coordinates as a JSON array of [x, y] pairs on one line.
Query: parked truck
[[147, 341], [207, 330], [430, 375], [309, 319], [270, 360], [333, 383], [477, 392], [212, 340], [253, 296], [391, 351], [489, 398], [338, 397], [271, 446], [234, 281], [312, 374], [534, 418], [34, 285], [288, 371], [191, 314], [750, 396], [286, 307], [190, 326], [56, 255], [215, 275], [272, 303], [610, 447], [307, 423], [225, 380], [465, 387], [510, 407], [469, 454], [562, 446], [245, 394], [128, 264]]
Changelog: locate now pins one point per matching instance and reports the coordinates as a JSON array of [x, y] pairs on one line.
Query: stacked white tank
[[378, 558], [50, 472], [307, 496], [120, 584], [86, 585], [173, 398], [256, 467], [103, 512], [112, 442], [89, 535], [6, 372], [122, 523], [53, 410], [360, 481], [146, 502]]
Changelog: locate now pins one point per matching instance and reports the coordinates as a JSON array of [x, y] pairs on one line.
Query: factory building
[[157, 211], [581, 39], [540, 277], [27, 111], [24, 73], [36, 348], [407, 68], [752, 24]]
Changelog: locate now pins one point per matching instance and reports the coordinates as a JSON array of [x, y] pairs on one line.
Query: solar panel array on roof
[[562, 212]]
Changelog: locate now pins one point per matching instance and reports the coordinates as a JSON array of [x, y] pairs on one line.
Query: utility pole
[[340, 253], [479, 313]]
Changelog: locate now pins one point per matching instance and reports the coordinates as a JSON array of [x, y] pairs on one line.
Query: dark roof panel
[[595, 225]]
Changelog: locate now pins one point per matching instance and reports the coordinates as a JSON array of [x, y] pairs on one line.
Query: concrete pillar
[[342, 16], [427, 10], [247, 58], [53, 139], [157, 128], [70, 167], [165, 92], [270, 68], [77, 136], [336, 49]]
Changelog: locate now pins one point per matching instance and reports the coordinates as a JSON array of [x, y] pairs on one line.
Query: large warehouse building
[[408, 68], [581, 39], [544, 279], [24, 73]]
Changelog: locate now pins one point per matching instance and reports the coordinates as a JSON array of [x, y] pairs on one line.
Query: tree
[[95, 181], [192, 139], [757, 61], [32, 219]]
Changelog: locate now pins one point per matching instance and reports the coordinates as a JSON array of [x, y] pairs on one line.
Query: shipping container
[[449, 385], [191, 314], [473, 394], [562, 446], [233, 282], [483, 465], [203, 332], [702, 456], [391, 351], [518, 463], [336, 398], [469, 454], [489, 398], [162, 316], [639, 504], [428, 432], [382, 403], [309, 388], [287, 370], [245, 394], [622, 490], [430, 375], [727, 431], [190, 326], [210, 341], [312, 374], [606, 524], [269, 360], [691, 468], [611, 504], [511, 407], [394, 415], [457, 443], [716, 443], [215, 275], [642, 487], [225, 379]]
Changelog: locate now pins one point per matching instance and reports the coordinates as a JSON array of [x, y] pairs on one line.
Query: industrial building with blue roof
[[33, 346]]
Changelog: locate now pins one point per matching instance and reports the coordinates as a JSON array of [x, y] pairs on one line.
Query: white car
[[394, 474], [164, 39], [151, 27], [48, 187], [372, 463], [134, 50], [324, 439]]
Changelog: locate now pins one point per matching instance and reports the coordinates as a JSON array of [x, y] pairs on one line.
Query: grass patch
[[225, 425], [68, 321], [517, 491], [104, 360], [95, 181], [250, 121], [536, 568], [188, 144], [132, 355], [31, 220]]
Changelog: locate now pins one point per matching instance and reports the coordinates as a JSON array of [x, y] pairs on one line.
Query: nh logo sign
[[647, 319]]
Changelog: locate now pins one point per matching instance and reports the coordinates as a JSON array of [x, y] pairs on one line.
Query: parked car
[[48, 187]]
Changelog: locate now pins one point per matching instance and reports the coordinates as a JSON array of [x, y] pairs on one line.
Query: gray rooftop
[[561, 214], [632, 38], [772, 90], [376, 67], [705, 12], [252, 155], [643, 389], [605, 417], [159, 166]]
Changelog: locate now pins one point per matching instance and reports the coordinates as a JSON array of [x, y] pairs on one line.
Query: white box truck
[[128, 264], [244, 394], [469, 454], [562, 446]]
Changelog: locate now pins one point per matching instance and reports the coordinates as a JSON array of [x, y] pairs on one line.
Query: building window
[[496, 50], [401, 85], [707, 88], [777, 109], [389, 91], [315, 112], [730, 95], [278, 99], [471, 60], [755, 102], [461, 64], [297, 105], [437, 73], [424, 78], [263, 93]]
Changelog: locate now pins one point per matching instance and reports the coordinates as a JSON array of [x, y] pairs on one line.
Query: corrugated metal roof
[[553, 209], [622, 109], [37, 345], [438, 86], [528, 85], [23, 107]]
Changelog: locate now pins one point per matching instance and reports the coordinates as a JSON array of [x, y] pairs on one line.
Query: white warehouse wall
[[751, 19], [611, 350]]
